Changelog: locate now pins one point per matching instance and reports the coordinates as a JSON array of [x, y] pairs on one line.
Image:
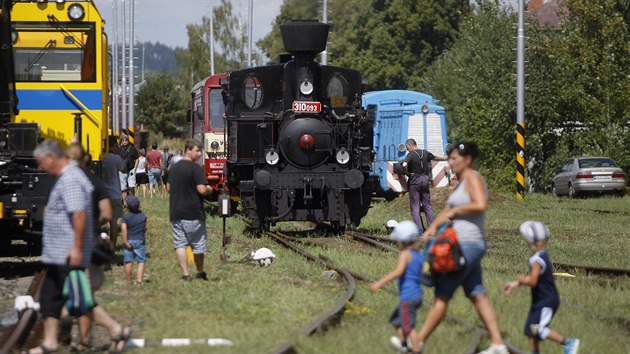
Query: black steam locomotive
[[299, 144]]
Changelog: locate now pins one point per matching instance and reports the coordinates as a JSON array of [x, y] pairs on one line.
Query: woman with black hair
[[465, 209]]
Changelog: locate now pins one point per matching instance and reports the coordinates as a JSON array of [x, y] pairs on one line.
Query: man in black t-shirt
[[188, 186], [418, 164], [129, 153]]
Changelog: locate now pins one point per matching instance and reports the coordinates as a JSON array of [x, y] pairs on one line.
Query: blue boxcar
[[402, 114]]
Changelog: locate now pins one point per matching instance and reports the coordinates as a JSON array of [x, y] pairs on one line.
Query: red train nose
[[307, 142]]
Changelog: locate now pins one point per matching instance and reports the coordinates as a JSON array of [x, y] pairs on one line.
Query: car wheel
[[572, 193], [554, 191]]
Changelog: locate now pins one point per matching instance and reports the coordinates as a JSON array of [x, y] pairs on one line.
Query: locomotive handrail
[[88, 113]]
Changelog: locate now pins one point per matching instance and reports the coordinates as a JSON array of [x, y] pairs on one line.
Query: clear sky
[[165, 20]]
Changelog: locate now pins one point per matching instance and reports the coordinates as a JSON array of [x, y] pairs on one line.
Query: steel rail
[[19, 331], [332, 316], [594, 269], [371, 240]]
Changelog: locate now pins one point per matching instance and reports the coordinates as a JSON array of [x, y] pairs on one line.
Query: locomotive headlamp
[[307, 141], [76, 12], [425, 108], [272, 157], [402, 147], [342, 156], [14, 36], [306, 88], [214, 145]]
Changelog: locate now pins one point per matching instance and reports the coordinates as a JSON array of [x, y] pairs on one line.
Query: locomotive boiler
[[299, 144]]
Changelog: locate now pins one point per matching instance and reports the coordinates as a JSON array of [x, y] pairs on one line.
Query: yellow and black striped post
[[520, 161]]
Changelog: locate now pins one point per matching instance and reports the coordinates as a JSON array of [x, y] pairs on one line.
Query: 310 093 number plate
[[306, 107]]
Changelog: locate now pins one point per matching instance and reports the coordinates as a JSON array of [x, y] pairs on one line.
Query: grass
[[260, 308]]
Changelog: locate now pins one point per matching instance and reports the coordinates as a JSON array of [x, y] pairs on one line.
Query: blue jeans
[[155, 176], [137, 253], [470, 278]]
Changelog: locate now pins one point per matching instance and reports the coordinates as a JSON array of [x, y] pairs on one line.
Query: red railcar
[[208, 127]]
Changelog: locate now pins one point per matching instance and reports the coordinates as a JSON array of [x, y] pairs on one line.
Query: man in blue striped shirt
[[67, 237]]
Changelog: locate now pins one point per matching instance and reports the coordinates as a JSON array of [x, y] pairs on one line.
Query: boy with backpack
[[408, 271], [545, 298]]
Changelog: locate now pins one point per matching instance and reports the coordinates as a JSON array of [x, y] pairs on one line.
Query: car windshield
[[596, 162]]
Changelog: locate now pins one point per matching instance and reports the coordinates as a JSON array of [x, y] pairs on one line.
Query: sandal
[[81, 347], [120, 339], [40, 350]]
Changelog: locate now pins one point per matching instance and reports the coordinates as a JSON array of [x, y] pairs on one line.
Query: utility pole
[[520, 104], [132, 88], [123, 120], [325, 20], [115, 87], [249, 39], [211, 37]]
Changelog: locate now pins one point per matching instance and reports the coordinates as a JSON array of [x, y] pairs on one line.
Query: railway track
[[18, 335], [324, 321], [332, 316]]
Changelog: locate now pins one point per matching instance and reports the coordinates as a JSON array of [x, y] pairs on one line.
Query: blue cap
[[133, 203]]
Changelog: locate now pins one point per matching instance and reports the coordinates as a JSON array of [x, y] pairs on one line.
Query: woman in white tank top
[[466, 210], [142, 179]]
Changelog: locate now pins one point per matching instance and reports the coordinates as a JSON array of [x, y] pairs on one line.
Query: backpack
[[445, 255]]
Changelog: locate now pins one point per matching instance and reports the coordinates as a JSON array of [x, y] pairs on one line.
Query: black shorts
[[51, 299], [404, 316], [538, 320], [142, 178]]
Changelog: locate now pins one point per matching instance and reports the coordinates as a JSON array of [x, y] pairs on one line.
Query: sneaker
[[496, 349], [571, 346], [201, 275], [185, 277], [398, 345]]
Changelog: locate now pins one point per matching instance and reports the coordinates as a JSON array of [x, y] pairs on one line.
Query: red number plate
[[306, 107]]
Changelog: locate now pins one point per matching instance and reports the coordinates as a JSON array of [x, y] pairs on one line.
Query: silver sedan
[[582, 175]]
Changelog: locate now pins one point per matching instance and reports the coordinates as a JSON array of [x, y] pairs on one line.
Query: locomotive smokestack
[[305, 37]]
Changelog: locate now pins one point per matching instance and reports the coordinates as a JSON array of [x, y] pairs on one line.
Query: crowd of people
[[81, 206]]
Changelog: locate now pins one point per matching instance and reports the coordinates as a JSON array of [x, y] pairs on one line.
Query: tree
[[162, 106], [271, 44], [474, 80], [392, 42], [230, 39]]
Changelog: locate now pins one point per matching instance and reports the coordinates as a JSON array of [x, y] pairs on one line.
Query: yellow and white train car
[[61, 70]]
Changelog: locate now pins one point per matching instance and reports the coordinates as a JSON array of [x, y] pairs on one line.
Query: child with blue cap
[[408, 271], [545, 297], [133, 230]]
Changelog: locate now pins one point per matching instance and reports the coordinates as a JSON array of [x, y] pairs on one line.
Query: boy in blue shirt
[[545, 298], [133, 229], [408, 271]]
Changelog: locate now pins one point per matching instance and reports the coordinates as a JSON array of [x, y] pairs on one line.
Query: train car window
[[50, 54], [337, 90], [217, 108], [252, 92]]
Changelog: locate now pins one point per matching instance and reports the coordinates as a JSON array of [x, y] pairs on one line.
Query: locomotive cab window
[[217, 108], [252, 92], [337, 90], [63, 54]]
